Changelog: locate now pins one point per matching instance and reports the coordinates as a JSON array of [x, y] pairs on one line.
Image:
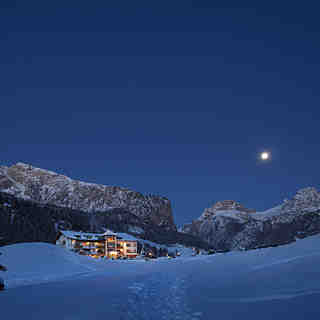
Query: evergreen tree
[[2, 268]]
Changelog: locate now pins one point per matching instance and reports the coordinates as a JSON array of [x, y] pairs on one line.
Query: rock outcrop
[[229, 226], [46, 187], [226, 206]]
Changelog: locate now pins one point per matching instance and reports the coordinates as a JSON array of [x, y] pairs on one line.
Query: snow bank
[[42, 262]]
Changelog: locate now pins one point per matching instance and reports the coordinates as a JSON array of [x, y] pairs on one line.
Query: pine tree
[[2, 268]]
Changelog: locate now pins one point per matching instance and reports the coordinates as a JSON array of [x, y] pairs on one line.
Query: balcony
[[87, 247], [131, 251]]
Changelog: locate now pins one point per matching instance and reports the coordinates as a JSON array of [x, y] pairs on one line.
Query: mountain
[[228, 225], [35, 203], [23, 220], [46, 187]]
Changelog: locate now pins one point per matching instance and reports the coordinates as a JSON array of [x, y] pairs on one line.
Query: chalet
[[108, 244]]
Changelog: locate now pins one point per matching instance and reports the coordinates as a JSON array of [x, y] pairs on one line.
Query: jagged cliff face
[[218, 224], [307, 199], [46, 187], [226, 206], [229, 226]]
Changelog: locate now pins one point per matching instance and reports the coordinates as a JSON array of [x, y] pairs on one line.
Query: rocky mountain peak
[[227, 225], [307, 194], [304, 199], [230, 206], [23, 165]]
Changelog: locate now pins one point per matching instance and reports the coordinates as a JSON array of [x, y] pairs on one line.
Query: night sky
[[175, 98]]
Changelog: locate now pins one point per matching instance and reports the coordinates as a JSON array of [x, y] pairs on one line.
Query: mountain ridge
[[227, 225], [48, 187]]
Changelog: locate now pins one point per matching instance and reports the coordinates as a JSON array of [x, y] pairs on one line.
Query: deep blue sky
[[175, 98]]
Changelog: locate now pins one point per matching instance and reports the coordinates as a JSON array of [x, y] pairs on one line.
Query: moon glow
[[265, 155]]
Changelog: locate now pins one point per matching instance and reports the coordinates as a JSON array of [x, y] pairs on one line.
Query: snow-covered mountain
[[47, 187], [228, 225]]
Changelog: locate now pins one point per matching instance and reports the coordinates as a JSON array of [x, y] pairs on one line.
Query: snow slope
[[271, 283], [34, 263], [30, 263]]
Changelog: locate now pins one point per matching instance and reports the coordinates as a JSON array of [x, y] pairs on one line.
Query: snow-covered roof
[[95, 236], [109, 233], [86, 235]]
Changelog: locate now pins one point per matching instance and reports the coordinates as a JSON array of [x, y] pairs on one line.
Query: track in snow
[[162, 296]]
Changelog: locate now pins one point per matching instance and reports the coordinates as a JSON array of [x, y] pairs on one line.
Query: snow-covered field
[[35, 263], [48, 282]]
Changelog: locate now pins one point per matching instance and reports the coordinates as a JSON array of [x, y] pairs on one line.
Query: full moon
[[265, 156]]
